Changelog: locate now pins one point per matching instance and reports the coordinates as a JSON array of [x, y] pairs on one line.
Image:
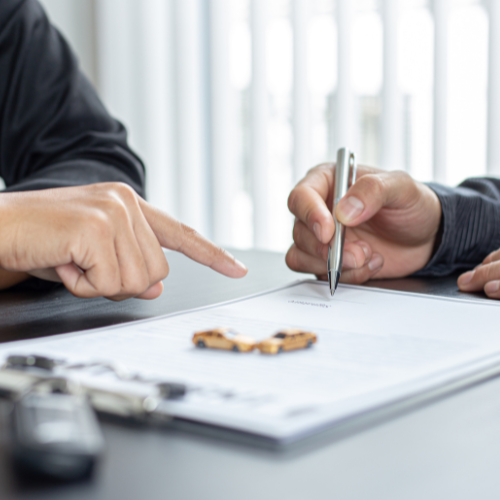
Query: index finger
[[308, 201], [175, 235], [312, 198]]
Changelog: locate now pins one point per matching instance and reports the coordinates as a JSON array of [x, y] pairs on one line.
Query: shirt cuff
[[470, 217]]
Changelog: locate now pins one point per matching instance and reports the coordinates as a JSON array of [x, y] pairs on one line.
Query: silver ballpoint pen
[[345, 160]]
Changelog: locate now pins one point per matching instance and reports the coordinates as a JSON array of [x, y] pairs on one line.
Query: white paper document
[[374, 347]]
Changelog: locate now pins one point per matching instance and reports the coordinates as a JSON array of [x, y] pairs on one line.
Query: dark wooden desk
[[450, 449]]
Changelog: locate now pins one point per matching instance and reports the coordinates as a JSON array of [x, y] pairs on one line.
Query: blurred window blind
[[230, 102]]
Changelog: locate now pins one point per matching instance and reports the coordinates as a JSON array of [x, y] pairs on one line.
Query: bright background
[[229, 102]]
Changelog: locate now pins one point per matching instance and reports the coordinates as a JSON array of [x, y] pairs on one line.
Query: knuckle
[[115, 208], [405, 181], [124, 191], [99, 224], [165, 271], [112, 288], [293, 198], [491, 271], [111, 284], [291, 259], [116, 198], [142, 282], [371, 183], [492, 257], [297, 231], [321, 169], [317, 169], [403, 176], [137, 286], [481, 274], [158, 267]]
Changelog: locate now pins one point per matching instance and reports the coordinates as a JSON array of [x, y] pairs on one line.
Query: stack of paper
[[374, 347]]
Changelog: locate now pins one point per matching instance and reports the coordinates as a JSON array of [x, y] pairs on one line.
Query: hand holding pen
[[391, 224]]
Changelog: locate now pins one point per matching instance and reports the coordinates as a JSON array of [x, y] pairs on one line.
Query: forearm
[[470, 226]]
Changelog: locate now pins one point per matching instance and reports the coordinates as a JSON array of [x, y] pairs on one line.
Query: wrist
[[438, 263], [434, 212], [7, 220]]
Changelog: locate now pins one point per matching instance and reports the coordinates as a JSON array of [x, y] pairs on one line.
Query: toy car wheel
[[309, 343], [235, 348], [280, 349], [201, 344]]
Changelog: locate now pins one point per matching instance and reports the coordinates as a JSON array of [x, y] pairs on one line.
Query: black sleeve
[[470, 226], [54, 131]]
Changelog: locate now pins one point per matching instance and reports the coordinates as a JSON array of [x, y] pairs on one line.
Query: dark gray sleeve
[[54, 131], [470, 226]]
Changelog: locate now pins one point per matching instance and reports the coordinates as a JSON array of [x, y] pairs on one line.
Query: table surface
[[447, 449]]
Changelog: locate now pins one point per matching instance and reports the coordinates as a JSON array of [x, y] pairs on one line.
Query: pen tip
[[335, 283]]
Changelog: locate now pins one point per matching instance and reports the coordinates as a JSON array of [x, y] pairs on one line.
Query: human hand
[[99, 240], [391, 224], [486, 276]]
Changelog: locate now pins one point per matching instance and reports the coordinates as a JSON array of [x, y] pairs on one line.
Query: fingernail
[[376, 262], [492, 287], [466, 278], [317, 230], [349, 261], [350, 208]]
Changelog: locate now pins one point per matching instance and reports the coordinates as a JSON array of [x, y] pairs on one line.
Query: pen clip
[[353, 168]]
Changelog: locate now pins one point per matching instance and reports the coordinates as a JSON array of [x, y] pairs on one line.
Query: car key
[[56, 434]]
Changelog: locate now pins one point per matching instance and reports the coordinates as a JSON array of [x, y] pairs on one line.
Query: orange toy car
[[224, 338], [289, 339]]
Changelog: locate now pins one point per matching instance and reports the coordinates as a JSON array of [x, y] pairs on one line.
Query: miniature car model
[[224, 338], [289, 339]]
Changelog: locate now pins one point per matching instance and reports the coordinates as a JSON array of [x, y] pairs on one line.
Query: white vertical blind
[[259, 123], [344, 109], [191, 165], [169, 83], [76, 20], [223, 124], [440, 133], [493, 158], [391, 158], [154, 67], [133, 76], [301, 104], [118, 54]]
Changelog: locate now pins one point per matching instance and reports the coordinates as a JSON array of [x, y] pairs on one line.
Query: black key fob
[[56, 434]]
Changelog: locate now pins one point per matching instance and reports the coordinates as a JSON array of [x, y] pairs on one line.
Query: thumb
[[372, 192]]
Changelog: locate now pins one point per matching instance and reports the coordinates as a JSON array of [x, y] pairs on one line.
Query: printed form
[[374, 346]]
